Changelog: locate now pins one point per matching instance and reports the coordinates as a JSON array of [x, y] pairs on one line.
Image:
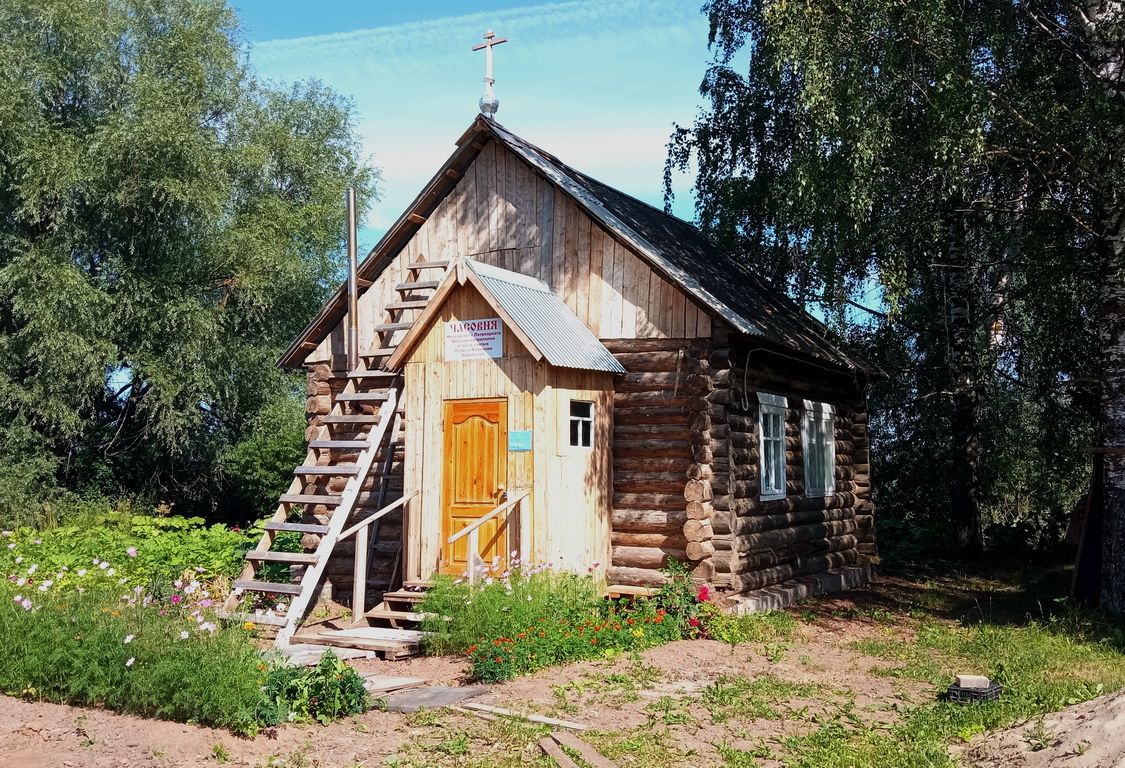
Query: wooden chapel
[[548, 370]]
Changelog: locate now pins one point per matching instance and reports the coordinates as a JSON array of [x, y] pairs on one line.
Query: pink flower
[[704, 593], [177, 599], [205, 603], [131, 551]]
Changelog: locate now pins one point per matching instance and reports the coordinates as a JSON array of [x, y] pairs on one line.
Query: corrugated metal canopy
[[559, 335]]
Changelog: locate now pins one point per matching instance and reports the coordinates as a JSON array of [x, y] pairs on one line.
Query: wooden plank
[[545, 199], [584, 274], [269, 587], [532, 718], [592, 757], [388, 683], [552, 750], [301, 558]]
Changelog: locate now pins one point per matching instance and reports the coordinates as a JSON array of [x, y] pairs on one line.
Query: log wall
[[662, 452], [761, 543]]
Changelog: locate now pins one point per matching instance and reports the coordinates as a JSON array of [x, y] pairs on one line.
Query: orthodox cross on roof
[[489, 103]]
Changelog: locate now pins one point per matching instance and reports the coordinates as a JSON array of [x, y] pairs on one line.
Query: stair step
[[409, 304], [300, 527], [417, 285], [392, 327], [338, 469], [382, 352], [339, 444], [271, 587], [437, 264], [268, 556], [389, 615], [361, 397], [308, 498], [418, 583], [373, 374], [404, 596], [362, 418], [269, 619]]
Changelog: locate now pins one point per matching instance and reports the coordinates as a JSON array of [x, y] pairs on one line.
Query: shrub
[[329, 691]]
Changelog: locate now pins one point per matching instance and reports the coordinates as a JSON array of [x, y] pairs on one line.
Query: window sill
[[772, 496]]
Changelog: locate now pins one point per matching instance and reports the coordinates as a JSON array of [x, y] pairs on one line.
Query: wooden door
[[476, 470]]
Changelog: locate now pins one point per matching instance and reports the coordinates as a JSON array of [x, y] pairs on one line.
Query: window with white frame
[[771, 431], [818, 444], [581, 424]]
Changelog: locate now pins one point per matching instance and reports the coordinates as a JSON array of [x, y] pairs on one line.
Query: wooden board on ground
[[551, 748], [307, 655], [592, 757], [431, 697], [532, 718], [387, 683], [392, 643]]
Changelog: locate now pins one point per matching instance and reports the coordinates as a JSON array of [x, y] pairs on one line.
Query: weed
[[738, 697], [1038, 737], [220, 753]]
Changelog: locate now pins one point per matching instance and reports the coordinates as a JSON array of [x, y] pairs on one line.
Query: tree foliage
[[167, 225], [933, 177]]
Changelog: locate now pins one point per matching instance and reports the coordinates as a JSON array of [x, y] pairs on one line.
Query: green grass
[[1044, 667], [736, 697]]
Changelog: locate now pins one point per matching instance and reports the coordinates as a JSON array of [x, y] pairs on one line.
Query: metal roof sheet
[[561, 337]]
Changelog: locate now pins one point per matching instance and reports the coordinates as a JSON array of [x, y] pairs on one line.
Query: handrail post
[[359, 578], [474, 542]]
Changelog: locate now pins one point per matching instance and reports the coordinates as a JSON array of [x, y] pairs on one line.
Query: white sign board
[[474, 339]]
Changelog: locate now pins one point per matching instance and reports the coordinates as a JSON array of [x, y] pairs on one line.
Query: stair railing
[[515, 503], [360, 531], [313, 574]]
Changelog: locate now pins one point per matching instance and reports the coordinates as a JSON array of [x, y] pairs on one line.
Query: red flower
[[693, 622], [499, 660], [704, 593]]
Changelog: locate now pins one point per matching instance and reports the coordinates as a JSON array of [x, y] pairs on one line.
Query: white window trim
[[770, 404], [819, 412]]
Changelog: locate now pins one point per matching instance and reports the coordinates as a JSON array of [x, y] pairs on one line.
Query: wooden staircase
[[362, 442]]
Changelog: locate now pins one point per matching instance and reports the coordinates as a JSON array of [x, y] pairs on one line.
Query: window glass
[[771, 423], [818, 444], [581, 423]]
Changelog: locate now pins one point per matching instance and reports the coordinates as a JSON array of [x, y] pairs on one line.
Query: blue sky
[[599, 84]]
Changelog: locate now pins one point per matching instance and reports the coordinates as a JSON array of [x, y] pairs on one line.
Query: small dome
[[489, 104]]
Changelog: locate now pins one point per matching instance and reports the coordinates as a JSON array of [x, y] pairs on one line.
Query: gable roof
[[717, 281], [530, 309]]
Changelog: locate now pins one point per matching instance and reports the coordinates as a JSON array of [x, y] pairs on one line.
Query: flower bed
[[529, 618], [110, 632]]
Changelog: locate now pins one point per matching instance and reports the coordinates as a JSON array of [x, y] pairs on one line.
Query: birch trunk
[[1104, 22]]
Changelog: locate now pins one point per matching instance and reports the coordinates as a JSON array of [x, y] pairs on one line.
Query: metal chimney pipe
[[353, 287]]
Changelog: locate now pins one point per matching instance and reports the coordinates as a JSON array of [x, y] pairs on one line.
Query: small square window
[[581, 424]]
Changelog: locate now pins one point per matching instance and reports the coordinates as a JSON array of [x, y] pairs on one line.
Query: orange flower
[[499, 660], [594, 641]]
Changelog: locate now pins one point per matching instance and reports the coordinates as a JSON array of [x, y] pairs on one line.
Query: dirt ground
[[663, 708], [1088, 735]]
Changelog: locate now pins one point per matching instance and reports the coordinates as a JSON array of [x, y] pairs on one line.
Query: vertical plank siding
[[503, 213], [569, 508]]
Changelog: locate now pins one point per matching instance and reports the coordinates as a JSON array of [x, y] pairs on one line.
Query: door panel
[[476, 453]]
